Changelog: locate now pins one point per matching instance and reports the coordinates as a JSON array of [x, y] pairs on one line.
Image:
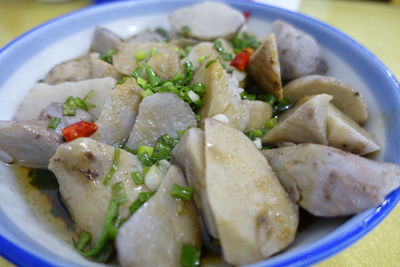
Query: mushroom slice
[[346, 134], [42, 95], [27, 143], [104, 40], [101, 68], [74, 70], [207, 21], [155, 234], [80, 167], [305, 123], [345, 97], [159, 114], [188, 154], [56, 110], [165, 61], [222, 96], [254, 216], [329, 182], [264, 67], [119, 114], [259, 113], [299, 53]]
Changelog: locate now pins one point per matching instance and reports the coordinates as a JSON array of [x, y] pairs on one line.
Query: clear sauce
[[40, 189]]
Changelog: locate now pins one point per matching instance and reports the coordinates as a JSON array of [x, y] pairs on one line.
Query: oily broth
[[40, 190]]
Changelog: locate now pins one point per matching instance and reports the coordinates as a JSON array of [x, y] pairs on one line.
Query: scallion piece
[[69, 107], [246, 96], [145, 149], [146, 92], [53, 123], [271, 123], [138, 178], [123, 80], [137, 72], [153, 51], [209, 63], [181, 133], [181, 192], [188, 71], [221, 50], [145, 160], [113, 168], [143, 197], [118, 193], [198, 88], [185, 30], [190, 256], [163, 33], [79, 103], [84, 239], [269, 98], [141, 82], [202, 58], [127, 149], [153, 78], [107, 55], [140, 55]]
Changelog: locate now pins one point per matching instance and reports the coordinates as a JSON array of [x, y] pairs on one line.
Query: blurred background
[[375, 24]]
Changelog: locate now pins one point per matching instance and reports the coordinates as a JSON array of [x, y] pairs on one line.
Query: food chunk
[[264, 67], [299, 53], [254, 216], [73, 70], [119, 114], [207, 21], [160, 113], [329, 182], [101, 68], [81, 167], [42, 95], [104, 40], [305, 123], [189, 156], [155, 234], [346, 134], [345, 97], [27, 143], [222, 96], [259, 113]]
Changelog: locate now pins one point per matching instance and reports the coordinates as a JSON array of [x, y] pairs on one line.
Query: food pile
[[203, 134]]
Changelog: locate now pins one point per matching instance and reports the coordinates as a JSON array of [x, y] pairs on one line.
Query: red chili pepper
[[79, 129], [241, 60], [246, 14]]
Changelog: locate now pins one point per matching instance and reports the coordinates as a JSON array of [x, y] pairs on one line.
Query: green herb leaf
[[190, 256], [181, 192], [143, 197], [114, 166], [138, 178], [53, 123], [107, 56]]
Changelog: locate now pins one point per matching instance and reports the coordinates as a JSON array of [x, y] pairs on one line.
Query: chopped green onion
[[79, 103], [198, 88], [247, 96], [137, 178], [190, 256], [107, 55], [145, 160], [255, 134], [118, 193], [281, 106], [209, 63], [123, 80], [221, 50], [145, 170], [269, 98], [84, 239], [153, 51], [69, 107], [153, 78], [188, 70], [198, 117], [113, 168], [195, 98], [162, 32], [243, 40], [53, 123], [185, 30], [181, 192], [127, 149], [271, 123], [146, 92], [145, 149], [141, 55], [163, 147], [137, 72], [141, 82], [143, 197], [178, 78], [187, 49], [181, 133], [202, 58]]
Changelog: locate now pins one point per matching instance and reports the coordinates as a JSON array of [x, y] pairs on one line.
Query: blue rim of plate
[[309, 256]]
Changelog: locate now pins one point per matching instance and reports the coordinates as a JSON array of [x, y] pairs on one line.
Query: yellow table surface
[[373, 24]]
